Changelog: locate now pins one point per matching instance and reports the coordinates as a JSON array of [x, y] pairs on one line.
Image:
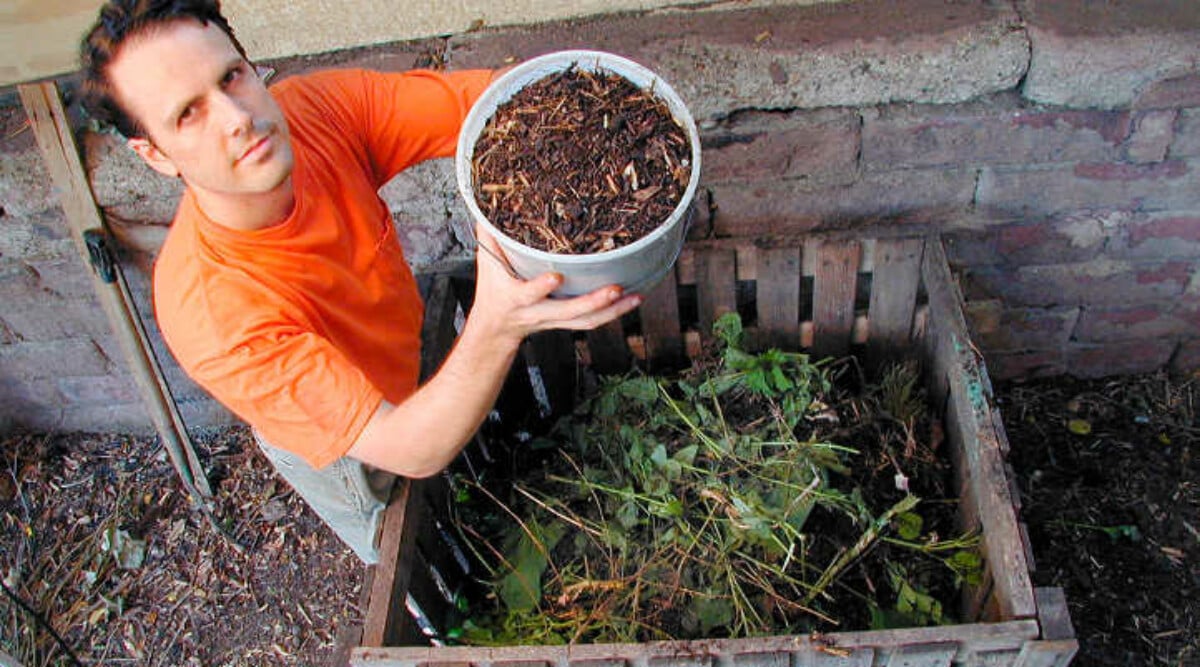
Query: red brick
[[53, 359], [913, 197], [820, 147], [128, 418], [1161, 235], [1098, 325], [1026, 365], [1152, 135], [1024, 193], [1072, 237], [1187, 135], [1187, 358], [1173, 93], [39, 317], [102, 389], [1119, 358], [1099, 282], [996, 131], [1029, 329]]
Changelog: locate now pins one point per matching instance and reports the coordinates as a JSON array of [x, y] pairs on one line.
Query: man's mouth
[[254, 149]]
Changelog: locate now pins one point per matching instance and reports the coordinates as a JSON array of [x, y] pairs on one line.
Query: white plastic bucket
[[637, 266]]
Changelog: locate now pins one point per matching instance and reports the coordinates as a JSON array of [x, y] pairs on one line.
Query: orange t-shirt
[[303, 327]]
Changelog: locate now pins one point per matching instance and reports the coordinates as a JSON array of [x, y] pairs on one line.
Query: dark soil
[[580, 162], [261, 582], [1109, 474]]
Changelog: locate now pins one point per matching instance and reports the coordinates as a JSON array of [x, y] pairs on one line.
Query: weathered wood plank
[[1047, 653], [867, 647], [778, 294], [894, 283], [390, 577], [716, 286], [660, 325], [1054, 618], [834, 285], [60, 153], [955, 361], [608, 349], [924, 655]]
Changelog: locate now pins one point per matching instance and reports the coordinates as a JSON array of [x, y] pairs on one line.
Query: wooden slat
[[834, 285], [716, 286], [970, 399], [778, 295], [660, 325], [607, 347], [1053, 616], [551, 357], [56, 142], [1047, 653], [390, 578], [924, 655], [894, 283]]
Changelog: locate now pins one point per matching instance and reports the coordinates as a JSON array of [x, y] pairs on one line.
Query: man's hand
[[510, 308], [422, 435]]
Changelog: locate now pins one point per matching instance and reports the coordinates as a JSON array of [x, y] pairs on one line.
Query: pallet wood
[[609, 352], [716, 286], [969, 410], [1022, 630], [834, 289], [660, 324], [778, 293], [56, 141], [896, 277]]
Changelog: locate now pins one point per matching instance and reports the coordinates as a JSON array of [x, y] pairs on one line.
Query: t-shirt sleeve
[[298, 390], [417, 115], [396, 119]]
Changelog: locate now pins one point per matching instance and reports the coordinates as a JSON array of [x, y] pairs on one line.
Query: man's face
[[207, 115]]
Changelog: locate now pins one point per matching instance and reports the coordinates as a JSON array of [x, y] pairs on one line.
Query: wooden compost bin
[[886, 297]]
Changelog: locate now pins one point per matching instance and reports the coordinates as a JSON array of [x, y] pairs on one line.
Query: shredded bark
[[580, 162]]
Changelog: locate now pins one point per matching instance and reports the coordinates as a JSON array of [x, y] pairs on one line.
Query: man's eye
[[187, 114], [233, 75]]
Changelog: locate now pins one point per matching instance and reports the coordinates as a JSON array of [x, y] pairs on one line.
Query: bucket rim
[[503, 88]]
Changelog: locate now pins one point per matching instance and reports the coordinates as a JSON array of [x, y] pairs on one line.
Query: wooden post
[[61, 154]]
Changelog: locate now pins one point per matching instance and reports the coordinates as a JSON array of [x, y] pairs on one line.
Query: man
[[281, 287]]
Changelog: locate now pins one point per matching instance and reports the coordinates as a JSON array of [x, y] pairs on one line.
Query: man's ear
[[152, 156]]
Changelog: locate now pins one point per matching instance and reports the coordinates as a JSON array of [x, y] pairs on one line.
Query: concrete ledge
[[1107, 54], [844, 54]]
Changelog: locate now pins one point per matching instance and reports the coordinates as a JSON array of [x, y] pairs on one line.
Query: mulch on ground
[[1109, 474], [100, 541]]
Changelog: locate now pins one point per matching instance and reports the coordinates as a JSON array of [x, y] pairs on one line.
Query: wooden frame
[[913, 309]]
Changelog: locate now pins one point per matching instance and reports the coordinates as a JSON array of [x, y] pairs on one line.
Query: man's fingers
[[583, 312]]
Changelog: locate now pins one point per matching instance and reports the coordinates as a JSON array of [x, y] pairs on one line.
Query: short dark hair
[[120, 20]]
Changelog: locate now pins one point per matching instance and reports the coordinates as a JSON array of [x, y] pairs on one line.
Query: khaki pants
[[348, 496]]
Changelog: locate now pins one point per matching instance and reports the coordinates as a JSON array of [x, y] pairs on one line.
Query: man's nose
[[235, 115]]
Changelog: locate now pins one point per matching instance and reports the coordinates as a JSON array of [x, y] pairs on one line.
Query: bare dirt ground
[[1109, 472], [98, 541]]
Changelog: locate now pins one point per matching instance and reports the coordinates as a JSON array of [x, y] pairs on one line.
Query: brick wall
[[1055, 144]]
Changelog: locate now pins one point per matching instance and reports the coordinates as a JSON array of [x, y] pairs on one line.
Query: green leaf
[[659, 455], [687, 455], [521, 589], [712, 612], [728, 328], [1079, 426], [908, 525]]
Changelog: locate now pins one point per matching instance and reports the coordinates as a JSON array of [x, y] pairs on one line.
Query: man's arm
[[422, 435]]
